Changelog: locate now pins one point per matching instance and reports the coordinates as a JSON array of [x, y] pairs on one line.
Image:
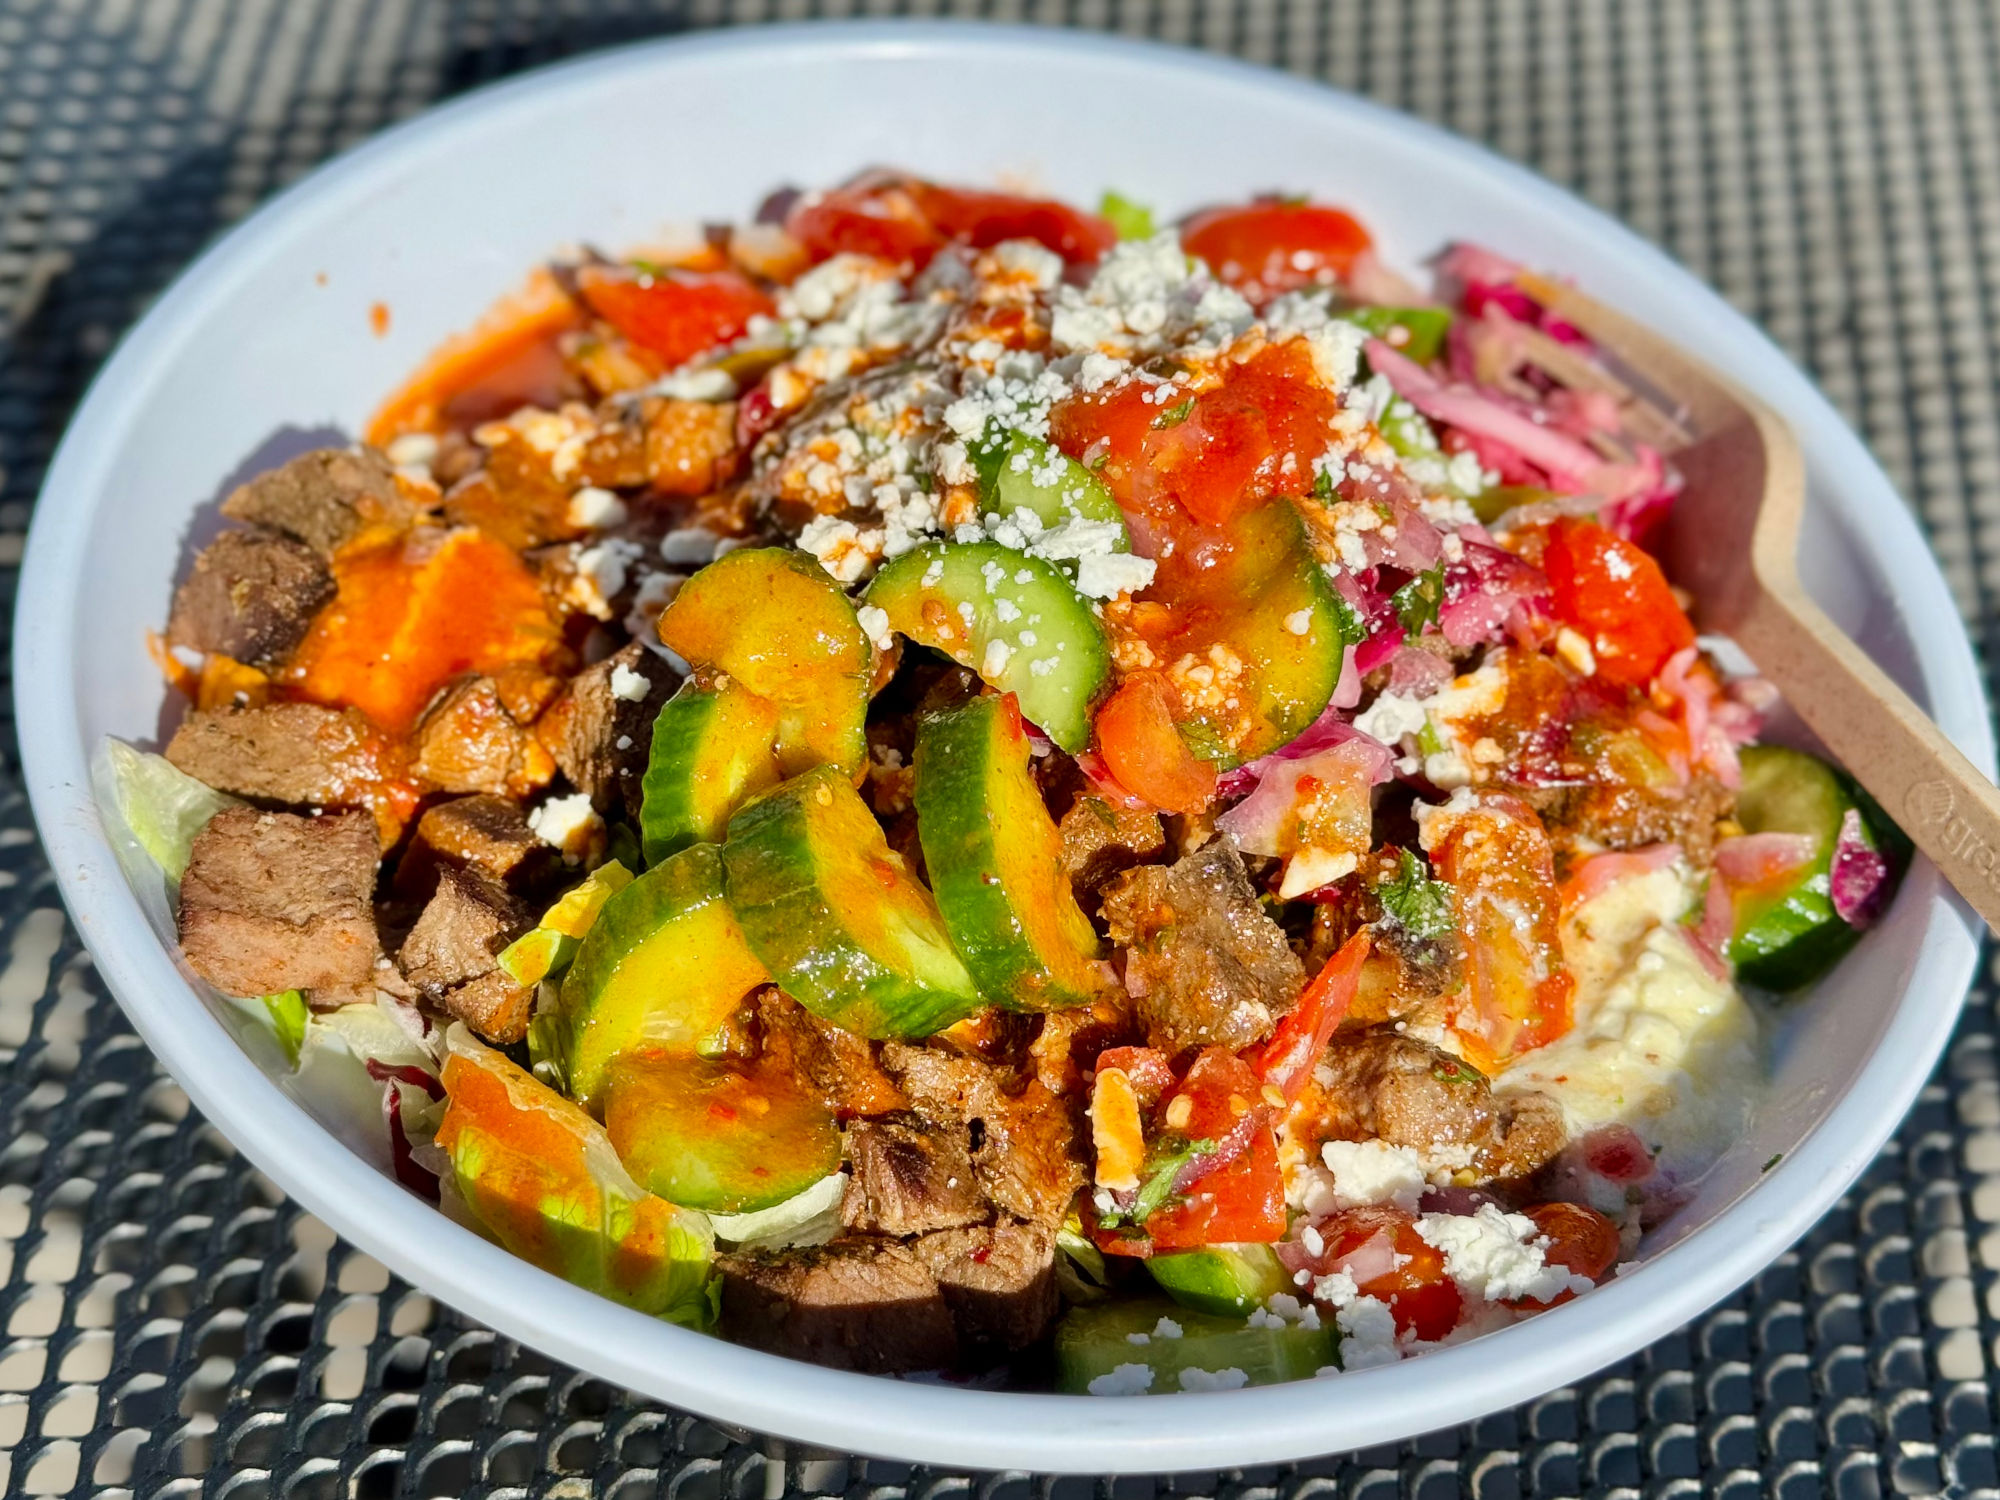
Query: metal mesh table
[[174, 1326]]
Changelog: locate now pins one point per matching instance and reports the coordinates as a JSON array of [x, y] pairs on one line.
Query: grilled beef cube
[[864, 1305], [487, 835], [467, 741], [251, 596], [600, 729], [452, 955], [324, 499], [910, 1176], [1025, 1152], [999, 1280], [1205, 964], [301, 754], [273, 901], [1382, 1084], [1100, 841], [839, 1064]]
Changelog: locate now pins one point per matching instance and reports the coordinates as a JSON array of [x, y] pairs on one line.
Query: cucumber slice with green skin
[[1013, 619], [996, 862], [772, 620], [836, 915], [713, 749], [1267, 602], [1018, 471], [1423, 329], [1093, 1342], [1788, 935], [662, 967], [715, 1136], [1222, 1279]]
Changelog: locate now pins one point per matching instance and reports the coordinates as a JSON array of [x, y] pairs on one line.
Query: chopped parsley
[[1173, 416], [1450, 1070], [1414, 902], [1780, 1156], [1203, 740], [1159, 1184], [1416, 602], [1353, 629], [1323, 485]]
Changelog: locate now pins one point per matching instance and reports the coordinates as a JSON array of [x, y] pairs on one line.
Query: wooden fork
[[1732, 541]]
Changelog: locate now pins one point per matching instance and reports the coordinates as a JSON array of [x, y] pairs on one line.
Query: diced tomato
[[1145, 752], [1380, 1248], [1615, 596], [1242, 1204], [907, 219], [1288, 1058], [1517, 990], [1580, 1240], [1274, 246], [1210, 457], [673, 315]]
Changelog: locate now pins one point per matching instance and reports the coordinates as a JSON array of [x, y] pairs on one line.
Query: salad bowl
[[304, 317]]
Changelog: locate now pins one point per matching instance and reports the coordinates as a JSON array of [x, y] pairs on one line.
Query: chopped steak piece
[[251, 596], [468, 742], [1100, 841], [690, 445], [999, 1280], [838, 1063], [1207, 965], [1381, 1084], [1630, 817], [452, 954], [487, 835], [1025, 1150], [865, 1305], [910, 1176], [273, 901], [297, 753], [600, 738], [325, 498], [513, 498]]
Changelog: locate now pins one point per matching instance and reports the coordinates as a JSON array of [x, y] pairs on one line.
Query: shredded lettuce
[[550, 946], [1414, 902], [164, 808], [1133, 221], [289, 1019], [811, 1217]]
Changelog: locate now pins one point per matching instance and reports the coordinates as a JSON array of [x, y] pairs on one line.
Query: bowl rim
[[920, 1421]]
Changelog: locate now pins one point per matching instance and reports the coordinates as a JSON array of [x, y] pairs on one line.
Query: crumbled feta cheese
[[1125, 1380], [596, 508], [688, 544], [601, 572], [628, 685], [711, 384], [1390, 717], [840, 546], [1108, 575], [570, 823], [994, 663], [1146, 296], [1368, 1172], [1299, 622], [1367, 1334], [1166, 1328], [876, 623], [1496, 1256], [1231, 1379], [413, 450]]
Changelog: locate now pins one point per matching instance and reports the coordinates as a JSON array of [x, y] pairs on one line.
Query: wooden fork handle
[[1883, 740]]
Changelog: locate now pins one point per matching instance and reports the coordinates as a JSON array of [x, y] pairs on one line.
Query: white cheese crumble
[[688, 544], [1390, 717], [875, 622], [1360, 1173], [413, 450], [596, 508], [628, 685], [1147, 296], [1231, 1379], [1125, 1380], [711, 384], [839, 546], [570, 823], [1107, 575], [1496, 1256]]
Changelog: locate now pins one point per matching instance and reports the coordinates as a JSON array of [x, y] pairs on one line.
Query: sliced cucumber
[[713, 748], [996, 861], [1018, 471], [1221, 1279], [1788, 934], [771, 619], [663, 966], [836, 915], [1093, 1342], [1013, 619], [716, 1136], [1423, 329]]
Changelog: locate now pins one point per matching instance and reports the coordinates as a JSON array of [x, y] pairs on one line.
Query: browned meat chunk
[[1389, 1086], [326, 498], [251, 596], [999, 1281], [690, 445], [514, 498], [487, 835], [1025, 1151], [839, 1064], [910, 1176], [1406, 973], [1205, 964], [468, 742], [1100, 841], [866, 1305], [452, 955], [273, 902], [1628, 817], [297, 753], [601, 729]]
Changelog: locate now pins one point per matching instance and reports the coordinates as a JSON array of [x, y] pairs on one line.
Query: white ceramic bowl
[[271, 330]]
